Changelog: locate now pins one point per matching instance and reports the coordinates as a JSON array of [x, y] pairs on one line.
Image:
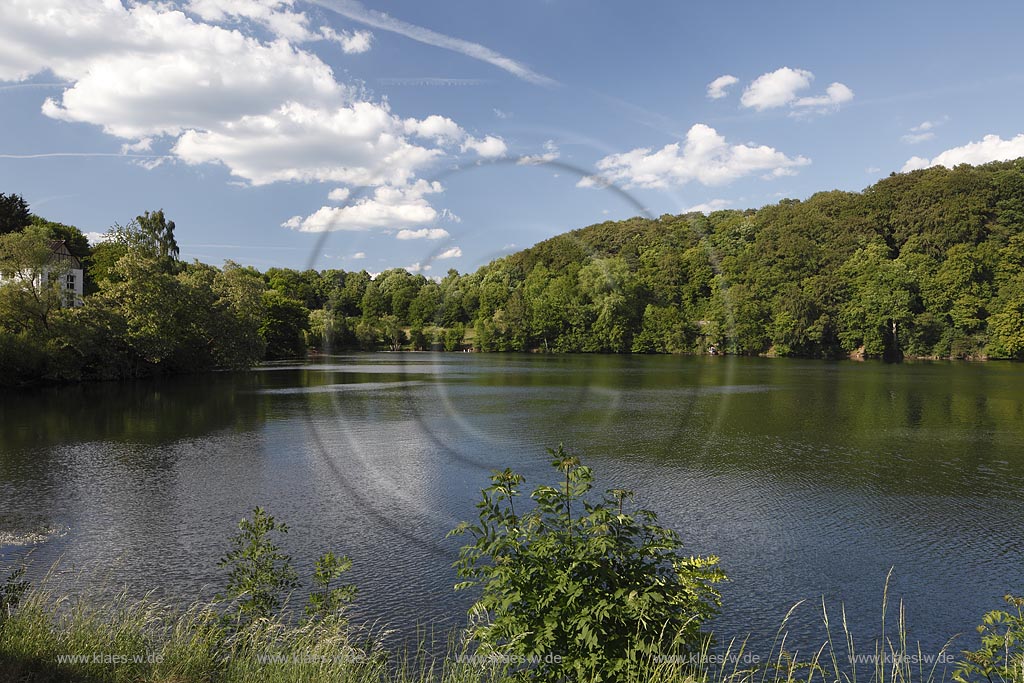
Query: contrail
[[19, 86], [354, 10], [47, 155]]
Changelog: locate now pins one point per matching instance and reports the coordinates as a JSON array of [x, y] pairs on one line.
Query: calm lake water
[[807, 478]]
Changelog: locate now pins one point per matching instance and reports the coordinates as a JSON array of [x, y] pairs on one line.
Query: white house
[[62, 265], [68, 268]]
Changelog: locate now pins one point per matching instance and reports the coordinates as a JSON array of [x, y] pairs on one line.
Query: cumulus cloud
[[278, 17], [352, 42], [169, 75], [923, 131], [709, 206], [359, 144], [490, 147], [835, 95], [775, 89], [388, 208], [914, 138], [268, 111], [779, 88], [705, 157], [339, 194], [359, 255], [447, 215], [551, 153], [423, 234], [417, 267], [718, 87], [989, 148], [275, 15], [915, 163], [438, 128], [454, 252], [143, 145]]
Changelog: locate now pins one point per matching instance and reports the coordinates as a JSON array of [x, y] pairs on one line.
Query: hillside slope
[[924, 264]]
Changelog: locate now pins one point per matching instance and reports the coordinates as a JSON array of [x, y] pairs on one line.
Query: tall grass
[[52, 638]]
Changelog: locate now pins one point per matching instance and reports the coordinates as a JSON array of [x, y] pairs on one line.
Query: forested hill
[[927, 263]]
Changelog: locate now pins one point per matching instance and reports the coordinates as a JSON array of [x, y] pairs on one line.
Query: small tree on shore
[[261, 575]]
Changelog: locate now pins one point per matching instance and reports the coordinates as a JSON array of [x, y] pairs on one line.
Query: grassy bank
[[49, 637]]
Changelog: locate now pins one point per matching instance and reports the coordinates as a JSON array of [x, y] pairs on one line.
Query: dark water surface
[[808, 478]]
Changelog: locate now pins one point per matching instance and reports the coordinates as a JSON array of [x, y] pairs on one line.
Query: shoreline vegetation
[[927, 265], [578, 587]]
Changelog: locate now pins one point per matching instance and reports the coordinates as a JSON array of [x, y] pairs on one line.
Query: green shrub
[[1001, 655], [580, 588], [260, 574]]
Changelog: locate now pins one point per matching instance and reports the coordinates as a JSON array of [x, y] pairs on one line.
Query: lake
[[807, 478]]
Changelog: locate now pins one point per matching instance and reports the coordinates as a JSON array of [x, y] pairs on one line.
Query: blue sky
[[436, 135]]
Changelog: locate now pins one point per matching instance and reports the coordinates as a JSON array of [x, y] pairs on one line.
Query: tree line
[[922, 264]]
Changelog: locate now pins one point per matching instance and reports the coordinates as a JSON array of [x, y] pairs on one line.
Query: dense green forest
[[922, 264]]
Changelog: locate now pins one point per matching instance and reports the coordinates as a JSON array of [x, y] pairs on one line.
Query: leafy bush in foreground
[[1001, 655], [579, 588]]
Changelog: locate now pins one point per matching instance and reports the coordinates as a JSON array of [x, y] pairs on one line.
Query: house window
[[71, 282]]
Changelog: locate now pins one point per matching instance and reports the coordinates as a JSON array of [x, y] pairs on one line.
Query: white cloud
[[439, 128], [489, 147], [423, 233], [709, 206], [356, 145], [989, 148], [717, 88], [338, 194], [143, 145], [776, 89], [275, 15], [96, 237], [914, 138], [389, 208], [872, 169], [914, 164], [352, 42], [454, 252], [359, 255], [267, 111], [502, 114], [779, 88], [169, 75], [923, 131], [835, 95], [705, 157], [417, 267], [551, 153], [379, 20], [447, 215]]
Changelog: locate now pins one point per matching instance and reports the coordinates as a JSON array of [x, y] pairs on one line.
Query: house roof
[[61, 253]]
